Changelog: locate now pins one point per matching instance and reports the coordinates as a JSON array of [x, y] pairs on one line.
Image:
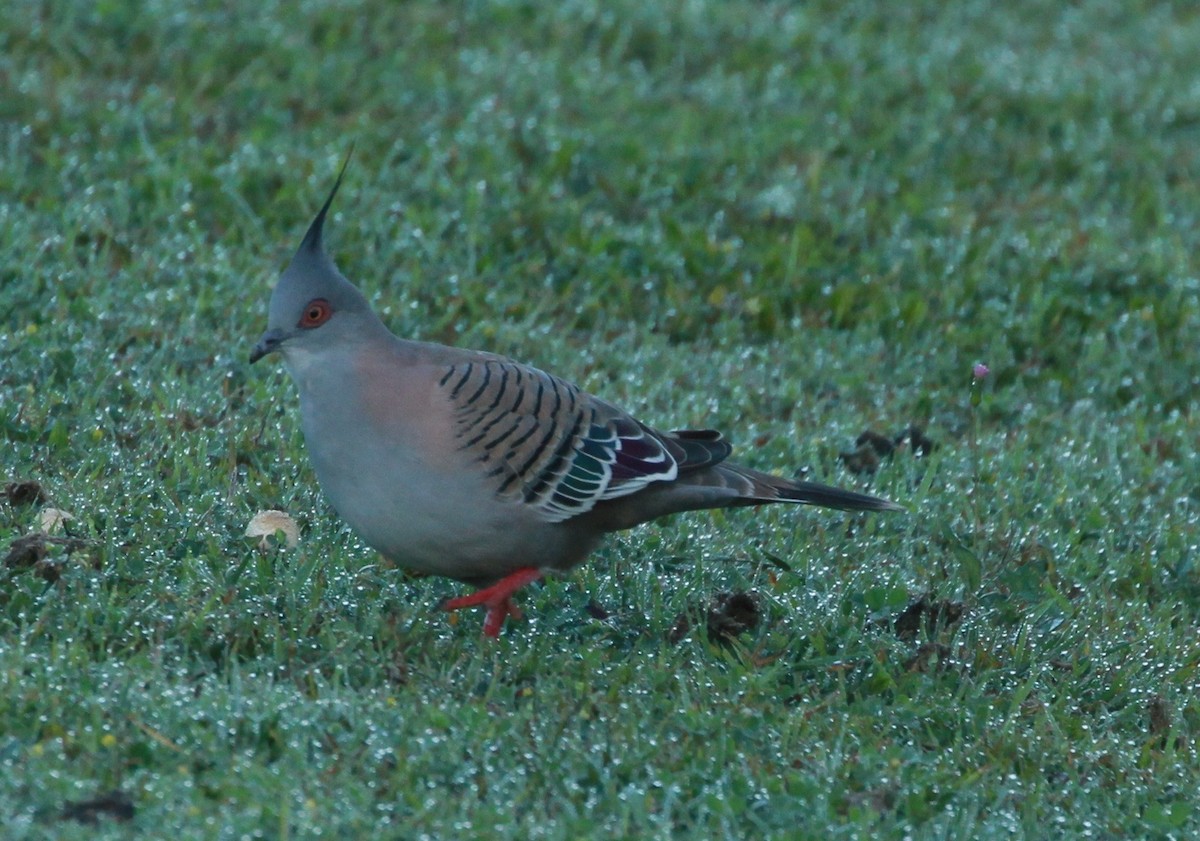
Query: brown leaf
[[25, 552], [679, 630], [881, 444], [113, 804], [862, 460], [596, 610], [732, 614], [728, 615], [27, 492], [922, 444], [53, 519], [879, 800], [265, 524], [871, 448], [1160, 715], [31, 551], [930, 656], [926, 613]]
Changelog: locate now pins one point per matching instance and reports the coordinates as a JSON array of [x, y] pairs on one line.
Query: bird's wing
[[545, 443]]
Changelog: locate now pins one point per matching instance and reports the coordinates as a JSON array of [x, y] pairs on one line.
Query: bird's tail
[[728, 485], [827, 496], [756, 488]]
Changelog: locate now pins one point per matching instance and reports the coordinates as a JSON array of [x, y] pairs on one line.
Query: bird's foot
[[497, 599]]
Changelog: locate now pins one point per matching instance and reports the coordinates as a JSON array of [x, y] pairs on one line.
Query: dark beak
[[269, 343]]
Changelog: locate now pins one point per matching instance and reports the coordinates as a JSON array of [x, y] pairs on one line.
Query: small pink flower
[[980, 371]]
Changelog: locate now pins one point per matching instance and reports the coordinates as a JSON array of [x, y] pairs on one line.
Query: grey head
[[313, 307]]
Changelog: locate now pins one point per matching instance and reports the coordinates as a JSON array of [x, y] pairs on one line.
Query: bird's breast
[[382, 441]]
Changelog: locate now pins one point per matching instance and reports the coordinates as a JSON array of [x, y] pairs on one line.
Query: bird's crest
[[312, 240]]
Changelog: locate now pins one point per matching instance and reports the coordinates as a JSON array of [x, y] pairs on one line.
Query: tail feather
[[753, 487], [728, 485], [826, 496], [706, 480]]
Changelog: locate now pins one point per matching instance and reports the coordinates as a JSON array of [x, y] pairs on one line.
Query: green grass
[[790, 222]]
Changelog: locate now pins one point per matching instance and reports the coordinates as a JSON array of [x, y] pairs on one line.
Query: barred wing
[[557, 449]]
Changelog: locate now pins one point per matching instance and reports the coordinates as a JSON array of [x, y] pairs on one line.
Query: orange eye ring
[[316, 312]]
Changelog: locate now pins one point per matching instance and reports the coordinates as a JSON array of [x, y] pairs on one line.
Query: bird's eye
[[316, 313]]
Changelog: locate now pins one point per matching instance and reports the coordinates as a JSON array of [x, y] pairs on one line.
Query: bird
[[472, 466]]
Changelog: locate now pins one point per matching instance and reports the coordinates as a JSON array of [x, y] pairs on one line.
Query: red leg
[[497, 599]]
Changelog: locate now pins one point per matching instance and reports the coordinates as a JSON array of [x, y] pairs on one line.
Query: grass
[[790, 222]]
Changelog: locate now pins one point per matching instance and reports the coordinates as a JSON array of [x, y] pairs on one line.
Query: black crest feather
[[312, 239]]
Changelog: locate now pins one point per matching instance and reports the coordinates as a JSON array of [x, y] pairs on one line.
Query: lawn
[[796, 223]]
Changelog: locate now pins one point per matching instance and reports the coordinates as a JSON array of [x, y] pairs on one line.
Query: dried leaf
[[914, 436], [1160, 715], [115, 805], [53, 519], [265, 524], [25, 552], [927, 613], [732, 614], [31, 552], [727, 616], [28, 492]]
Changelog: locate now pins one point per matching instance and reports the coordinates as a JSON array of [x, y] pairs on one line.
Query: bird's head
[[313, 306]]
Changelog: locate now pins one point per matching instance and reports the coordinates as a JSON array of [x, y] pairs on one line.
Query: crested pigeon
[[469, 465]]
